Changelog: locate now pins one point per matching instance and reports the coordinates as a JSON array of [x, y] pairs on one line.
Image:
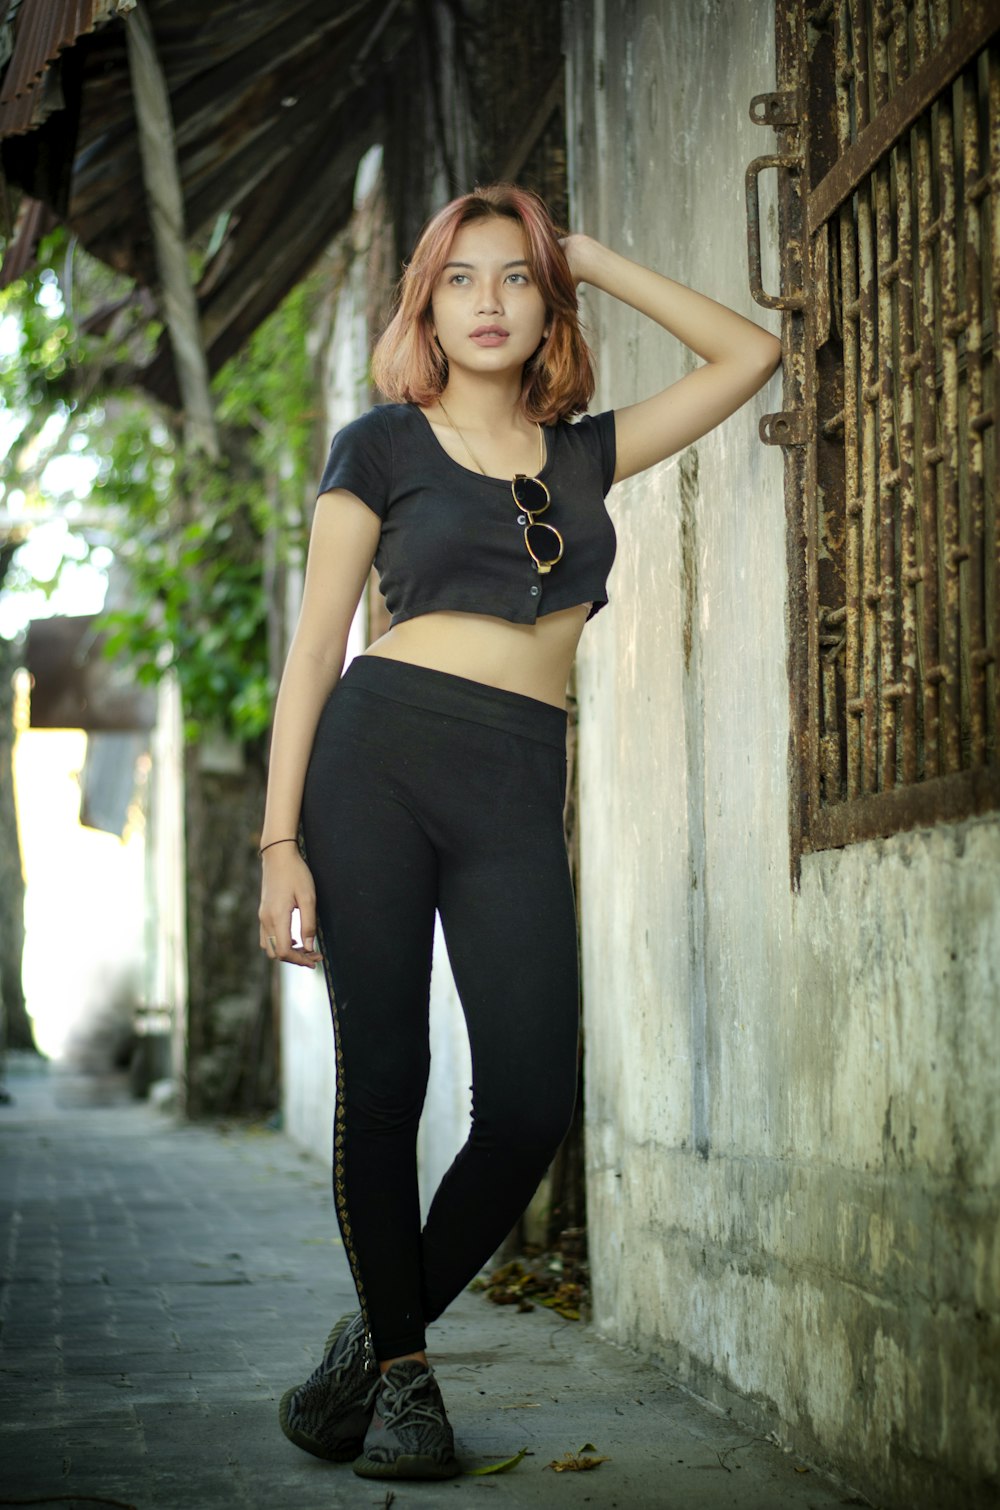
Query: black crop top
[[454, 539]]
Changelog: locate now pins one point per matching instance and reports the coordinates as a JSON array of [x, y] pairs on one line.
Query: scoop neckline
[[503, 482]]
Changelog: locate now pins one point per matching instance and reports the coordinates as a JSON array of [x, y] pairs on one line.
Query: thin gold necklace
[[475, 458]]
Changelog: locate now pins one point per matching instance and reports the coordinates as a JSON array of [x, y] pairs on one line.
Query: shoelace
[[354, 1344], [398, 1403]]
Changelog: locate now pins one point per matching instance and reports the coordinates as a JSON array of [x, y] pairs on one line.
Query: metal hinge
[[786, 428], [776, 109]]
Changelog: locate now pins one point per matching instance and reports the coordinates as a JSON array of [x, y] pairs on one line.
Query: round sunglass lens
[[544, 543], [531, 494]]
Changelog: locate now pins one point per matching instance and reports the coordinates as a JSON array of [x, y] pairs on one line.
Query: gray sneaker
[[328, 1415], [409, 1437]]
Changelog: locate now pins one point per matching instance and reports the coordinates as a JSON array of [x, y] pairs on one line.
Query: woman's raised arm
[[738, 356]]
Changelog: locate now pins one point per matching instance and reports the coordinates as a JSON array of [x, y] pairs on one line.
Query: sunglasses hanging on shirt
[[544, 542]]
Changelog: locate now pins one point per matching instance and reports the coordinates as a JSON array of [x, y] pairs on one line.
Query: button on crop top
[[453, 539]]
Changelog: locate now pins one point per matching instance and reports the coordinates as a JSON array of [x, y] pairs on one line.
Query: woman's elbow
[[763, 360], [771, 353]]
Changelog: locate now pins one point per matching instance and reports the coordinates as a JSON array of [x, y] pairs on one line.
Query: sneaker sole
[[407, 1466], [301, 1439]]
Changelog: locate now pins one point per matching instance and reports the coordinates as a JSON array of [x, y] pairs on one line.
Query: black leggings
[[425, 792]]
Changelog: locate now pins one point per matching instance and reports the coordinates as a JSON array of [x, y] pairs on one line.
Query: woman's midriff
[[533, 659]]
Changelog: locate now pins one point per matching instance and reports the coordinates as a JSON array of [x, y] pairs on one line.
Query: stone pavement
[[164, 1283]]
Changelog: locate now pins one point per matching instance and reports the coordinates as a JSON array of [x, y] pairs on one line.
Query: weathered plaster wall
[[793, 1144]]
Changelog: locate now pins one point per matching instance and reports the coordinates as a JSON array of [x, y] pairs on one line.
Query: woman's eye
[[459, 278], [517, 277]]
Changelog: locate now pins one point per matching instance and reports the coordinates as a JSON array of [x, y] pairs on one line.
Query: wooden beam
[[165, 198]]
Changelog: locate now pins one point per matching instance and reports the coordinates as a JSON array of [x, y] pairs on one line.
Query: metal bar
[[943, 800], [841, 74], [973, 192], [921, 32], [951, 556], [905, 439], [852, 530], [993, 704], [853, 658], [934, 73], [829, 745], [798, 370], [829, 533], [941, 16], [929, 451], [870, 606], [887, 474], [828, 104], [859, 64], [882, 26], [902, 59]]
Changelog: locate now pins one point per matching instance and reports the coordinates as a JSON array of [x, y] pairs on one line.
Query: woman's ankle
[[385, 1363]]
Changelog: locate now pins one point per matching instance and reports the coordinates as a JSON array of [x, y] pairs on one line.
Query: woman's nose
[[489, 299]]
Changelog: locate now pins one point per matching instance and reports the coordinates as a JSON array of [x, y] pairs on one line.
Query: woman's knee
[[530, 1127], [388, 1094]]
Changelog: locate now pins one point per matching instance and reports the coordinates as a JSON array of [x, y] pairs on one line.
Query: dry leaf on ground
[[578, 1462], [561, 1286]]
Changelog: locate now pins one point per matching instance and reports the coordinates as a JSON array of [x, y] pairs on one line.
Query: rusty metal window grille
[[888, 184]]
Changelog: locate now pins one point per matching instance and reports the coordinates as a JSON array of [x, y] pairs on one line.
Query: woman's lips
[[489, 335]]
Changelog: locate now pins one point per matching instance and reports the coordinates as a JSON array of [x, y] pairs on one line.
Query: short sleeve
[[598, 431], [360, 461]]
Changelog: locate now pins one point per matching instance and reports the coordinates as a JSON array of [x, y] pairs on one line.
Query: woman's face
[[486, 309]]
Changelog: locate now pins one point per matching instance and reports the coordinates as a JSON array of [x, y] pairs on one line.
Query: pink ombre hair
[[408, 365]]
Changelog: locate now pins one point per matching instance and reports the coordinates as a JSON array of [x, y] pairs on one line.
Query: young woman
[[430, 777]]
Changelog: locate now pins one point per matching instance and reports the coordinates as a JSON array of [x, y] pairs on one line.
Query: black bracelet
[[260, 852]]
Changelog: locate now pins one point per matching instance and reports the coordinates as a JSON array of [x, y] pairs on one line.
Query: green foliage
[[192, 534], [39, 346], [196, 590]]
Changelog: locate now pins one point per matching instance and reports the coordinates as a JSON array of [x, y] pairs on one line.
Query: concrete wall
[[165, 984], [793, 1151]]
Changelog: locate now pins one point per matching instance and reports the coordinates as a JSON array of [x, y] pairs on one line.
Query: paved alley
[[164, 1283]]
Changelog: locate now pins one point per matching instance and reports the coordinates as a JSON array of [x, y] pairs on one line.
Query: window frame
[[814, 180]]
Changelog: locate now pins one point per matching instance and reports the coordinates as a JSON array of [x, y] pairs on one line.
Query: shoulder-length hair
[[408, 365]]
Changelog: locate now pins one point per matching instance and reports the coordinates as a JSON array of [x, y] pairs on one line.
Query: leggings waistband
[[458, 697]]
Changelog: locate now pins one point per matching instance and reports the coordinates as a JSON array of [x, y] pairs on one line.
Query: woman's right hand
[[581, 254], [286, 884]]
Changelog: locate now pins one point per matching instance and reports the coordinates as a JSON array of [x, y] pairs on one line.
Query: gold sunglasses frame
[[542, 567]]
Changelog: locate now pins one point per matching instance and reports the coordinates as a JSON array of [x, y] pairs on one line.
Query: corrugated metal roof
[[273, 103], [42, 29]]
